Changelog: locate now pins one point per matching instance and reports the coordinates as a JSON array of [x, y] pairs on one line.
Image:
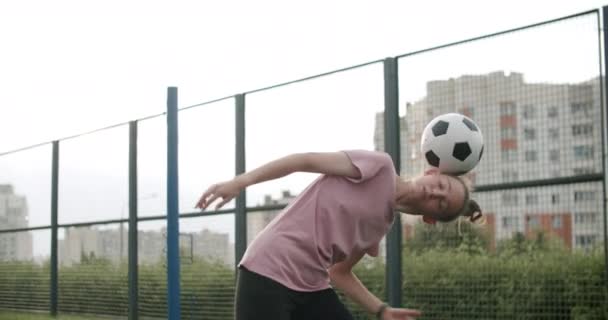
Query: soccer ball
[[453, 143]]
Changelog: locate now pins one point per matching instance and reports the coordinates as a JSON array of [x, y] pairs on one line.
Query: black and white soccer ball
[[453, 143]]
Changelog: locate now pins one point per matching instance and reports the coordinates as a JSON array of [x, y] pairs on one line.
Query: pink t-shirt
[[332, 219]]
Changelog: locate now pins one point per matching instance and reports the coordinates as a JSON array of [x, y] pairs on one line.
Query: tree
[[537, 242], [466, 237]]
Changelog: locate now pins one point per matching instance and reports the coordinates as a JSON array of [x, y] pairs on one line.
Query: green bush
[[455, 285], [444, 282], [24, 285]]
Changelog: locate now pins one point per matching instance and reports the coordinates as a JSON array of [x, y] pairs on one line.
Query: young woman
[[288, 271]]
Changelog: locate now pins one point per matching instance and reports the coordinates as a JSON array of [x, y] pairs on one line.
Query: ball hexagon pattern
[[441, 127], [432, 158], [461, 151], [453, 143]]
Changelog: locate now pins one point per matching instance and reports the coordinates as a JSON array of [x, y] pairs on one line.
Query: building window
[[529, 133], [583, 171], [509, 175], [509, 155], [533, 222], [555, 198], [507, 108], [554, 155], [583, 108], [553, 133], [583, 152], [552, 112], [586, 240], [507, 133], [586, 218], [582, 130], [510, 222], [529, 112], [531, 199], [556, 222], [509, 198], [531, 155], [581, 196]]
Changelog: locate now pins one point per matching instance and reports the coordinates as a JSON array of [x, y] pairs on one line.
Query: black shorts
[[258, 297]]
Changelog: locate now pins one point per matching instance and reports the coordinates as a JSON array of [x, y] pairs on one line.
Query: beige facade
[[257, 221], [87, 242], [14, 214], [532, 131]]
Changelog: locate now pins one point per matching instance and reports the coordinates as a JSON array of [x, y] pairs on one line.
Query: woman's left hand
[[400, 314], [226, 191]]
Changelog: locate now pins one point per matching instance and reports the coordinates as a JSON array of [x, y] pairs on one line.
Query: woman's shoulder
[[372, 154]]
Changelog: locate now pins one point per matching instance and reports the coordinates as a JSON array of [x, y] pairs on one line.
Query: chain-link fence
[[83, 220]]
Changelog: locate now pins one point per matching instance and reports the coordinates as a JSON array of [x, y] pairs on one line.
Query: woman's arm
[[331, 163], [344, 279]]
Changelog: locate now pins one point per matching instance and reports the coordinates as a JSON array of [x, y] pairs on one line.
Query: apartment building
[[257, 221], [107, 243], [532, 131], [13, 215]]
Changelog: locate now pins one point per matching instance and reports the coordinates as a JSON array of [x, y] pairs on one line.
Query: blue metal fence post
[[173, 287], [392, 146]]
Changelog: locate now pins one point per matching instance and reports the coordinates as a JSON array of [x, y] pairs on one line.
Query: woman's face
[[436, 195]]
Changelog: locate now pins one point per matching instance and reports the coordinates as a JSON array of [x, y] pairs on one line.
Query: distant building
[[257, 221], [87, 242], [14, 214], [379, 136], [151, 246], [211, 245], [559, 225], [532, 131], [76, 242]]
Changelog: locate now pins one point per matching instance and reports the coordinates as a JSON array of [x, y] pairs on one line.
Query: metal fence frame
[[394, 270]]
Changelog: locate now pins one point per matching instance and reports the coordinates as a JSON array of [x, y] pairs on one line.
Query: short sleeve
[[373, 250], [369, 163]]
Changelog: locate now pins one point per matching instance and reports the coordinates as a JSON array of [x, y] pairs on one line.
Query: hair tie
[[473, 211]]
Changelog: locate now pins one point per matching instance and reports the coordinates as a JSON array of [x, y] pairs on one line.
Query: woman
[[287, 270]]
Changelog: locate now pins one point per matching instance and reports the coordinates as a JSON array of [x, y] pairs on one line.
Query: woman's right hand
[[400, 314], [226, 190]]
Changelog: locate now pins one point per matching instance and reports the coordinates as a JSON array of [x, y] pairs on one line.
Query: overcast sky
[[71, 66], [68, 67]]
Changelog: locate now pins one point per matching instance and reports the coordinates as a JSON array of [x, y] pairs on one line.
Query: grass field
[[9, 315]]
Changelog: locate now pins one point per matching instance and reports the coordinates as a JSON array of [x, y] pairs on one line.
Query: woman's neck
[[402, 191]]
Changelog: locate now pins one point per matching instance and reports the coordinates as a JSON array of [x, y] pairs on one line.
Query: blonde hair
[[470, 208]]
